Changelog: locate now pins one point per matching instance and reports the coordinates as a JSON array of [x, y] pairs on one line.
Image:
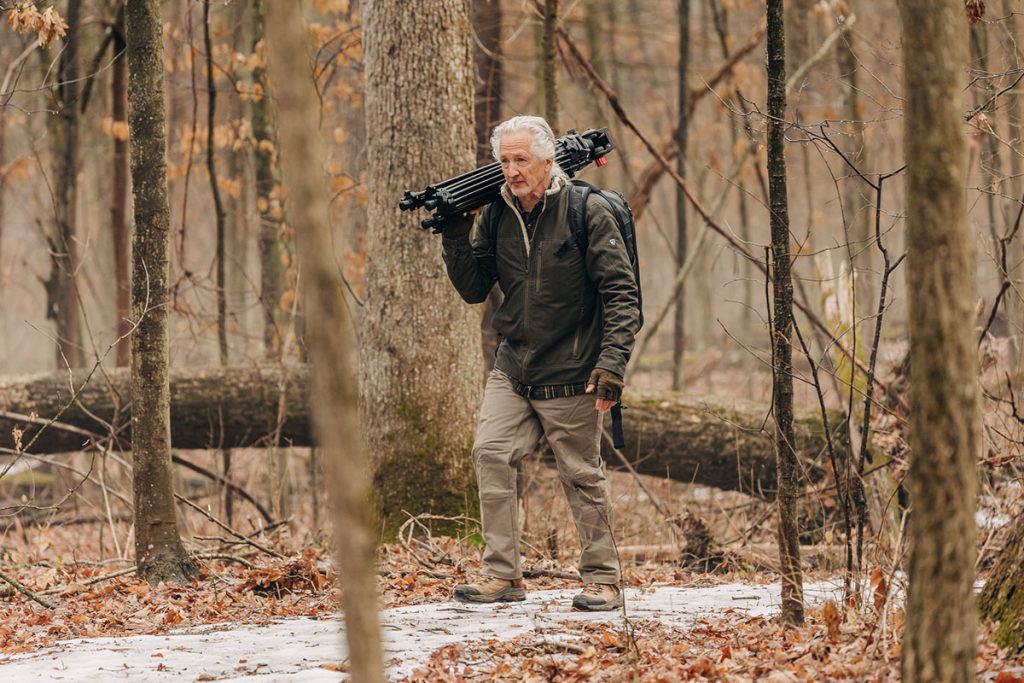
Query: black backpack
[[579, 193]]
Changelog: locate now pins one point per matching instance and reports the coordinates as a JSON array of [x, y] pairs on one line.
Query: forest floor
[[279, 620]]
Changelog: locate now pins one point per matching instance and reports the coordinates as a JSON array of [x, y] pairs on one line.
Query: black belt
[[542, 392]]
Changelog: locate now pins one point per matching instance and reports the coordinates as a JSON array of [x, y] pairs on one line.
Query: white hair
[[543, 146]]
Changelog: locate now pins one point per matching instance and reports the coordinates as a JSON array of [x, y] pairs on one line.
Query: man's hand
[[607, 386], [458, 227]]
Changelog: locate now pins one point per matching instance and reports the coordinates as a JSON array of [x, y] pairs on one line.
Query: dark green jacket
[[563, 315]]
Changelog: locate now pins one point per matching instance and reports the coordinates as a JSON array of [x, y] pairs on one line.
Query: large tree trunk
[[939, 638], [420, 344], [1002, 599], [330, 338], [782, 325], [159, 553], [704, 440]]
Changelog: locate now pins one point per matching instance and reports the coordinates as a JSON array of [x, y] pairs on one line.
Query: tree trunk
[[700, 439], [549, 44], [159, 553], [939, 638], [330, 338], [120, 228], [487, 22], [489, 81], [1002, 599], [682, 129], [61, 287], [275, 251], [782, 325], [420, 344], [218, 205], [856, 200]]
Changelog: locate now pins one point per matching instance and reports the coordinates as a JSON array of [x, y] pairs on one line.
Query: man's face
[[527, 176]]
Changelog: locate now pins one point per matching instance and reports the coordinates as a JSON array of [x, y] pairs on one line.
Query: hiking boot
[[491, 589], [598, 597]]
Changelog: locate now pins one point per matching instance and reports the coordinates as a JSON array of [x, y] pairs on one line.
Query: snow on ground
[[298, 649]]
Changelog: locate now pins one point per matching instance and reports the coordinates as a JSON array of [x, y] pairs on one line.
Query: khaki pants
[[510, 428]]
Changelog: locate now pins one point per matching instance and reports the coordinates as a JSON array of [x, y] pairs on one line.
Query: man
[[567, 327]]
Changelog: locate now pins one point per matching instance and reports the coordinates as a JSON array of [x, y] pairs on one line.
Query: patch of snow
[[295, 650]]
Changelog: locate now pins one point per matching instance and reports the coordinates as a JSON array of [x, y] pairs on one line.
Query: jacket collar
[[558, 183]]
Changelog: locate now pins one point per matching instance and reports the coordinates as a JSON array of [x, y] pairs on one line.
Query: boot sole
[[604, 607], [511, 595]]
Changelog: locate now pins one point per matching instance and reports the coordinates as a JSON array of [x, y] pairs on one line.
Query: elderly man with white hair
[[567, 325]]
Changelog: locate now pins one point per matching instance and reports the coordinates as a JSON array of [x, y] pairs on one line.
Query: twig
[[25, 591], [225, 527], [227, 558]]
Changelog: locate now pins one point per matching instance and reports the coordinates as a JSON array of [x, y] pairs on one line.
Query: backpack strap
[[579, 193], [491, 220]]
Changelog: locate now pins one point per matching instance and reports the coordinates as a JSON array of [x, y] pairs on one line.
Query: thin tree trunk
[[331, 340], [159, 553], [856, 201], [218, 205], [61, 287], [419, 342], [682, 130], [939, 638], [988, 159], [120, 227], [487, 21], [596, 39], [550, 65], [274, 252], [782, 325]]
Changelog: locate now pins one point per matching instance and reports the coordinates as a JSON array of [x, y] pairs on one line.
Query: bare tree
[[330, 337], [159, 553], [682, 130], [939, 638], [419, 342], [782, 324]]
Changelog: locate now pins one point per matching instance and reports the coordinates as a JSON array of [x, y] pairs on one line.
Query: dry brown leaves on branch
[[25, 17]]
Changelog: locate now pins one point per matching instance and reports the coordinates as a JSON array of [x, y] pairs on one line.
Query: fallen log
[[705, 440]]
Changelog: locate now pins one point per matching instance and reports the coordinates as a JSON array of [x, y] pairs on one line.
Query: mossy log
[[1002, 599], [705, 440]]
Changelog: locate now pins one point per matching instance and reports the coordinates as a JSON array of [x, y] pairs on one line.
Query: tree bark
[[782, 325], [159, 553], [1002, 599], [705, 440], [420, 358], [331, 340], [939, 638]]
